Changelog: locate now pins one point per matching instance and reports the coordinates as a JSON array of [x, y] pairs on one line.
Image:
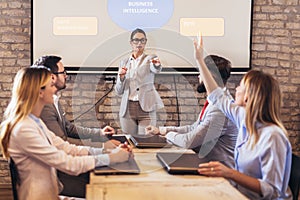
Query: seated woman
[[262, 151], [38, 152]]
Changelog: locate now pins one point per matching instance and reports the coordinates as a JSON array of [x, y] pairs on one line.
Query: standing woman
[[36, 151], [135, 83], [263, 151]]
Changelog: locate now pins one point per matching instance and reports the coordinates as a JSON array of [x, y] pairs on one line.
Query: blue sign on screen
[[145, 14]]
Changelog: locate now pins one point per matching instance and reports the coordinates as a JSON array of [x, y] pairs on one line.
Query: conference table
[[154, 183]]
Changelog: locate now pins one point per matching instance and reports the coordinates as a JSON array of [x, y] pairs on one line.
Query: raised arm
[[206, 76]]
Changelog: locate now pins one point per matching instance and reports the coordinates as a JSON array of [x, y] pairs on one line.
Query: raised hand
[[198, 48], [156, 61]]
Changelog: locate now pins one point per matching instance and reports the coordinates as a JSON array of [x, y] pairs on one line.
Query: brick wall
[[275, 42], [275, 49], [84, 90]]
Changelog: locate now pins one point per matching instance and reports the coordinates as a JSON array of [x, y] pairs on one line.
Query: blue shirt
[[269, 160]]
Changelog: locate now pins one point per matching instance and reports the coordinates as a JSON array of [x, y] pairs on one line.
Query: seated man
[[213, 135], [54, 117], [53, 114]]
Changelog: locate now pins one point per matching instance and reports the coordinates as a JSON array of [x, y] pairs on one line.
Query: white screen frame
[[111, 42]]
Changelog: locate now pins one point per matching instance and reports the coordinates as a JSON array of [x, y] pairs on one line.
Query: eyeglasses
[[63, 72], [136, 40]]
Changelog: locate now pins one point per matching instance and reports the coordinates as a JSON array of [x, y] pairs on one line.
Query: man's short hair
[[223, 65], [49, 62]]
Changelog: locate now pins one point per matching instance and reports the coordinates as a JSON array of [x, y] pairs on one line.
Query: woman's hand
[[122, 71], [126, 146], [156, 61], [215, 169], [119, 155], [111, 144], [198, 48]]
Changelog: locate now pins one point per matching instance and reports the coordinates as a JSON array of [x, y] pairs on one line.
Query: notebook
[[153, 141], [129, 167], [180, 163]]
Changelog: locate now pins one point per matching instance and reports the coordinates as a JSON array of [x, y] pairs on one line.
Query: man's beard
[[201, 88], [60, 87]]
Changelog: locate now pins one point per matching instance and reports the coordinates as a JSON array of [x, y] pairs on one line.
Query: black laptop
[[104, 138], [149, 141], [180, 163], [129, 167], [120, 138]]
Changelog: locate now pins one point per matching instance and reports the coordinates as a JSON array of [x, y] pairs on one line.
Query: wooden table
[[154, 183]]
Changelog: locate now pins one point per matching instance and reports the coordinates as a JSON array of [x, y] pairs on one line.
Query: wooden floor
[[5, 192]]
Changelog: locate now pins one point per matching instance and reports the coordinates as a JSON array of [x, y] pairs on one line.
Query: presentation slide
[[93, 35]]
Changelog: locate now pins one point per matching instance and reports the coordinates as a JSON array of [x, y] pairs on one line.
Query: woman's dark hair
[[138, 30]]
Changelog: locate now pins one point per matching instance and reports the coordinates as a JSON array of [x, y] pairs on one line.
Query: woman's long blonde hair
[[263, 103], [25, 92]]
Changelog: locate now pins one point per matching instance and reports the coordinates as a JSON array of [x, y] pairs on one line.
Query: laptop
[[129, 167], [180, 163], [153, 141], [121, 138]]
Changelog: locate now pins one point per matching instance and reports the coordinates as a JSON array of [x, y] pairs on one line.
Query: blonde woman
[[263, 151], [36, 151]]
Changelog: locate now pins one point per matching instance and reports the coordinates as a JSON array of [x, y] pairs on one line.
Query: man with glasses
[[54, 117]]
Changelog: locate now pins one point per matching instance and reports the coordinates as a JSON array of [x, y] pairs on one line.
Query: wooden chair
[[294, 182], [15, 180]]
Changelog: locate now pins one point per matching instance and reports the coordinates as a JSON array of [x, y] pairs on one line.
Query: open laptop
[[180, 163], [129, 167], [149, 141]]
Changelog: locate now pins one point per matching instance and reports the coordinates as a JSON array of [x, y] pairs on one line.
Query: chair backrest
[[294, 182], [15, 180]]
